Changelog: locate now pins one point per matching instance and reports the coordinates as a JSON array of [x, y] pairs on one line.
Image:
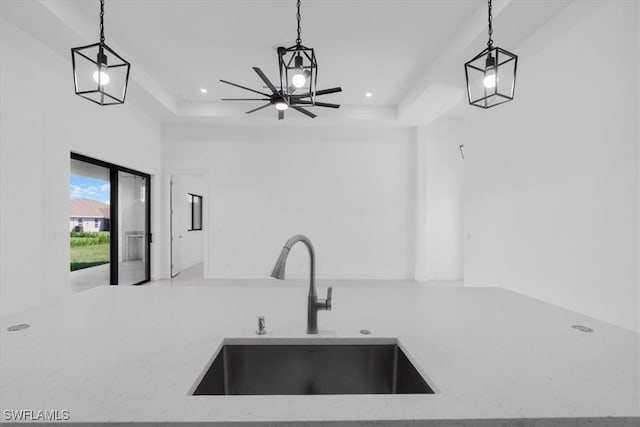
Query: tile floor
[[192, 273], [88, 278]]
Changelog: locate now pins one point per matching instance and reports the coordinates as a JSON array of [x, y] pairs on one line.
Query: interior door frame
[[171, 227], [113, 213], [168, 179]]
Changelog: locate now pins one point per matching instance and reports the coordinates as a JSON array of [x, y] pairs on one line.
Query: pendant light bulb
[[298, 79], [101, 77], [490, 80]]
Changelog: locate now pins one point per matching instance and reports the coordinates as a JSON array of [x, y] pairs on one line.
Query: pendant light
[[298, 68], [99, 73], [491, 74]]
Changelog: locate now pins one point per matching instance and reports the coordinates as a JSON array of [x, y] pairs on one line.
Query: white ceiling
[[408, 53]]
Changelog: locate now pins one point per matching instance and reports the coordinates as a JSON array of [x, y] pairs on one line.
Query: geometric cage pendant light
[[298, 68], [491, 74], [99, 73]]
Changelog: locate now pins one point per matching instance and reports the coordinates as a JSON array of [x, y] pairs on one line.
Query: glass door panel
[[89, 225], [133, 225]]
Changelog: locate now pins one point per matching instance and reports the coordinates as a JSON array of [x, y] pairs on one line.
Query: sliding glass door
[[122, 230]]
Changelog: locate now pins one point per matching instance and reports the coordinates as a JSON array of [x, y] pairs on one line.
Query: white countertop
[[133, 353]]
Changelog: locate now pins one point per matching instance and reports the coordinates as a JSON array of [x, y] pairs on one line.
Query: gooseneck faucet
[[313, 302]]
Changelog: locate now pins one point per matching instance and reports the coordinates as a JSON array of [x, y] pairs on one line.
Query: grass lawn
[[89, 256]]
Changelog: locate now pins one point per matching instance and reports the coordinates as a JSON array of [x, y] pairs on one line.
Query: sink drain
[[582, 328], [365, 331], [18, 327]]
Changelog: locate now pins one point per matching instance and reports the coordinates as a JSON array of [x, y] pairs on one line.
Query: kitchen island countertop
[[123, 353]]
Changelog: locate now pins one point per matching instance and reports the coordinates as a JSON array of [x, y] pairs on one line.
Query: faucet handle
[[329, 298]]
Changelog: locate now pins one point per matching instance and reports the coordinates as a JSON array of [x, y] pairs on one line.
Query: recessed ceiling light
[[368, 94], [203, 90]]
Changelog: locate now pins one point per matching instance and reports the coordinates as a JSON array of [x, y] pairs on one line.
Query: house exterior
[[88, 215]]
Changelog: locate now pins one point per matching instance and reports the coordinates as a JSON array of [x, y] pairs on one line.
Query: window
[[196, 211]]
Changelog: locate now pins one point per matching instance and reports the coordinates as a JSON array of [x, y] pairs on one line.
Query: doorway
[[187, 224], [110, 223]]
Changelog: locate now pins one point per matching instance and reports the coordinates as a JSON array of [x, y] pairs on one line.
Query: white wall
[[439, 222], [41, 122], [349, 190], [551, 179], [189, 244]]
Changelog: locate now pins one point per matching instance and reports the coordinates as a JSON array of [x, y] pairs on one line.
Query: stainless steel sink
[[310, 366]]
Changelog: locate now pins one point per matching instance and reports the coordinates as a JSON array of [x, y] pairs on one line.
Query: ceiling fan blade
[[303, 111], [265, 80], [280, 114], [245, 88], [326, 104], [244, 99], [320, 92], [259, 108], [328, 91]]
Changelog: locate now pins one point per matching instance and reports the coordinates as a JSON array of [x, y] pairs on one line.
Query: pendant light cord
[[101, 21], [298, 17], [490, 42]]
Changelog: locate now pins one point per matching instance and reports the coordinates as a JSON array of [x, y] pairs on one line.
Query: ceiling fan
[[281, 101]]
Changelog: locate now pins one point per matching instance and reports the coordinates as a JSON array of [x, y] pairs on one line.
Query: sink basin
[[310, 366]]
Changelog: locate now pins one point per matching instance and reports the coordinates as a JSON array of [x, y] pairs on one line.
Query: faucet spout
[[281, 263], [313, 303]]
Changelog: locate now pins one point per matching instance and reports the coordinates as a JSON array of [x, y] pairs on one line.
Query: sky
[[89, 188]]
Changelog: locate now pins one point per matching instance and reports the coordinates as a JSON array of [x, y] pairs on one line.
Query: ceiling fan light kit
[[99, 73], [491, 74]]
